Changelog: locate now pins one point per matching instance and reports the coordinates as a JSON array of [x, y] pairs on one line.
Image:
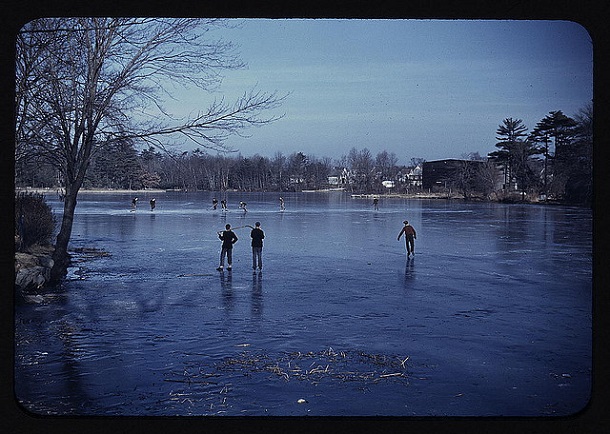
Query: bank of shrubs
[[34, 221]]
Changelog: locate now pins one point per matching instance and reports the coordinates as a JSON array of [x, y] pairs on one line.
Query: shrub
[[34, 220]]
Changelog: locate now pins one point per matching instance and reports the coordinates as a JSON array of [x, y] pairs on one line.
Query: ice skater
[[376, 203], [228, 238], [134, 203], [153, 204], [214, 203], [257, 236], [410, 236], [282, 206], [223, 205], [243, 205]]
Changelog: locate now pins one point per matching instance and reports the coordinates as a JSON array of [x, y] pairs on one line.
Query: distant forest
[[554, 159], [123, 167]]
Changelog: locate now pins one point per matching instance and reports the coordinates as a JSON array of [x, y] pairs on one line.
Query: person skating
[[214, 203], [410, 236], [228, 238], [153, 203], [257, 236]]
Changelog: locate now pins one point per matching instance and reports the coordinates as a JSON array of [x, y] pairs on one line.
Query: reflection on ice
[[409, 269]]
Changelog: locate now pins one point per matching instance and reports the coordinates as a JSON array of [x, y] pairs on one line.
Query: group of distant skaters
[[223, 204], [242, 205], [257, 235], [134, 204]]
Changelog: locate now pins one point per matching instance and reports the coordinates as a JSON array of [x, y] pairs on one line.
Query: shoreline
[[367, 196], [159, 191], [93, 190]]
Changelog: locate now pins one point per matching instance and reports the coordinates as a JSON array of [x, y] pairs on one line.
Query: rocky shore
[[33, 268]]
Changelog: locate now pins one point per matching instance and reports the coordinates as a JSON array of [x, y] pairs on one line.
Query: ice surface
[[493, 313]]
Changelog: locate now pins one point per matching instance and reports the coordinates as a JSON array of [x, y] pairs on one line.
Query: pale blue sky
[[419, 88]]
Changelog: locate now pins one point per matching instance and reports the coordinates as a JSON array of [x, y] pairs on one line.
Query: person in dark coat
[[410, 236], [257, 236], [228, 238]]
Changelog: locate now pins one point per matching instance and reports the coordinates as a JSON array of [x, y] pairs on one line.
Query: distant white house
[[413, 177], [296, 180], [339, 179]]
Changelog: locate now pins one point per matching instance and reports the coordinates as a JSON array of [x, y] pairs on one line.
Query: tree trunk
[[61, 258]]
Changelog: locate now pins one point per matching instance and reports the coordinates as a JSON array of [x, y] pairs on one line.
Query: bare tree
[[85, 83], [386, 163], [279, 168], [464, 178], [486, 177], [362, 166], [297, 163]]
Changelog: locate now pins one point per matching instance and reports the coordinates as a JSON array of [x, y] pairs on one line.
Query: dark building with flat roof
[[441, 173]]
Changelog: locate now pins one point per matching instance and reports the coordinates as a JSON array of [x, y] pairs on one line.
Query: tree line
[[554, 159], [121, 166]]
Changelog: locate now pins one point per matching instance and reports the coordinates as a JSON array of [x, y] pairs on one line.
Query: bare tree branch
[[81, 83]]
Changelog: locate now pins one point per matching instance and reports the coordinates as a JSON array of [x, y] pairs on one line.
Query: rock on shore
[[33, 268]]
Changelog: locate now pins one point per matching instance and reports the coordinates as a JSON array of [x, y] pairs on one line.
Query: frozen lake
[[492, 317]]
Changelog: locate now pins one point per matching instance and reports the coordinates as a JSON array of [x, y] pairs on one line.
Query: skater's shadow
[[409, 269], [226, 289], [257, 296]]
